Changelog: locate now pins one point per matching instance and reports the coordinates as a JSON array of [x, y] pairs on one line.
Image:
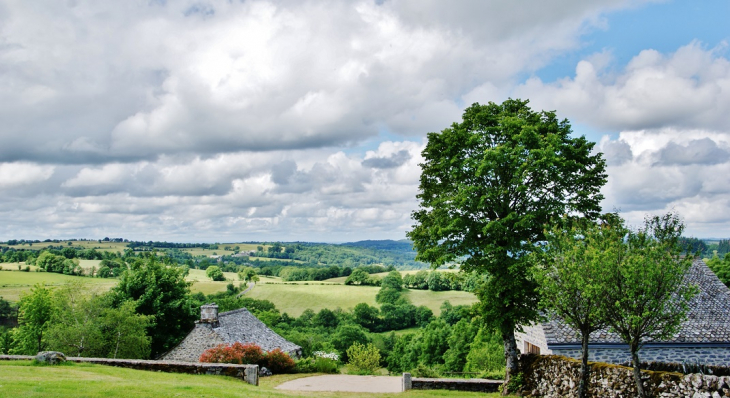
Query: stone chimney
[[209, 314]]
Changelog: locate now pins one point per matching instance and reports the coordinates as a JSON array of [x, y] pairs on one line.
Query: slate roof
[[240, 325], [232, 326], [708, 318]]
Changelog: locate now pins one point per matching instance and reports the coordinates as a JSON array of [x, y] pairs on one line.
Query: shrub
[[279, 362], [235, 353], [306, 365], [424, 371], [364, 359]]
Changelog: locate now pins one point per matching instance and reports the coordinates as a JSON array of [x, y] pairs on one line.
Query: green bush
[[364, 359], [424, 371]]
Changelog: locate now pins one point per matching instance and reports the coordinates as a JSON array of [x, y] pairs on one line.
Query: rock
[[264, 372], [50, 357]]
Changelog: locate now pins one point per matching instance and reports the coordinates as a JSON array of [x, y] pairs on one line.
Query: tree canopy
[[162, 292], [488, 186]]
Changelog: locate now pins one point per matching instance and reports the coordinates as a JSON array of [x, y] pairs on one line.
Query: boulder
[[50, 357], [263, 371]]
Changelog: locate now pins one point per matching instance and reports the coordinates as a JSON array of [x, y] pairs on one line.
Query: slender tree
[[571, 275], [646, 296], [488, 186], [34, 314]]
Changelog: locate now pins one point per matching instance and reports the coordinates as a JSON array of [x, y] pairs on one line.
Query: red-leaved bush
[[236, 353], [279, 362], [276, 360]]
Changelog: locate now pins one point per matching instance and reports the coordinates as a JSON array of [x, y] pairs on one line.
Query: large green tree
[[488, 186], [159, 291]]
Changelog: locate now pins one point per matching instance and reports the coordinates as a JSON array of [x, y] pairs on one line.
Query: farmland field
[[295, 298], [90, 244], [292, 298], [20, 379], [13, 283]]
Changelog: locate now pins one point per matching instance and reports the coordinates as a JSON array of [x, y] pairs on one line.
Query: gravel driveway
[[345, 383]]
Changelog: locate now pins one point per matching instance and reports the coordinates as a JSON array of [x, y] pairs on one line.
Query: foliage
[[34, 315], [86, 324], [571, 276], [214, 272], [7, 309], [235, 353], [488, 185], [248, 274], [160, 291], [486, 354], [345, 336], [360, 277], [364, 359], [645, 297], [721, 268], [279, 362]]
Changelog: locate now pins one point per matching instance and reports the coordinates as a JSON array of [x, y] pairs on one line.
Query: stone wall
[[476, 385], [247, 373], [557, 376], [535, 335], [719, 356]]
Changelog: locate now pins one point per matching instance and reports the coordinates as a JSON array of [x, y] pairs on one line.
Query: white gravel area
[[345, 383]]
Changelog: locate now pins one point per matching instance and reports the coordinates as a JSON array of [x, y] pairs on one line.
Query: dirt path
[[345, 383]]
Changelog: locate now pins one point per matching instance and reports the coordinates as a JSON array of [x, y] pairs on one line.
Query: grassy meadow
[[290, 297], [295, 298], [90, 244], [14, 283], [21, 379]]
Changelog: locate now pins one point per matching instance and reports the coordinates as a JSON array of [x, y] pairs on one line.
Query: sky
[[296, 120]]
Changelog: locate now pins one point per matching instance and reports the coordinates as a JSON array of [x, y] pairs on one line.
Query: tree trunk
[[583, 384], [510, 356], [637, 370]]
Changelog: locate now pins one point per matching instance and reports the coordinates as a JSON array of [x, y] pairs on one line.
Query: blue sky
[[210, 120]]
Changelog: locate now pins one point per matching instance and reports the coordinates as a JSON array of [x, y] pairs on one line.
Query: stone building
[[229, 327], [704, 337]]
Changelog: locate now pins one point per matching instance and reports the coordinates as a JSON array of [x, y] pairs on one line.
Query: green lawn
[[20, 379], [295, 298]]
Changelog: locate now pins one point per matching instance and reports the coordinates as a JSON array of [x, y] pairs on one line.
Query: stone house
[[229, 327], [704, 337]]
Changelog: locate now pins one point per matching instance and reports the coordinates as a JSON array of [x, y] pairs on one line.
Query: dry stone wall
[[557, 376]]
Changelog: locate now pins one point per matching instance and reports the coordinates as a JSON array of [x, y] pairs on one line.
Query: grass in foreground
[[20, 379]]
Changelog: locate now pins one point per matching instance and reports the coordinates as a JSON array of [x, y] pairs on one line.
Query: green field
[[295, 298], [92, 244], [20, 379], [13, 283], [290, 297]]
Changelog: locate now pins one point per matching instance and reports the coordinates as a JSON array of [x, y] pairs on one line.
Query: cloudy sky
[[218, 120]]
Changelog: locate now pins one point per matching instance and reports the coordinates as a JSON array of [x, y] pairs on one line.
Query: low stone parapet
[[247, 373], [475, 385]]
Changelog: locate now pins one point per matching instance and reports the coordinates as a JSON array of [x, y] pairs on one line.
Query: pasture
[[21, 379], [295, 298], [85, 244], [14, 283]]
